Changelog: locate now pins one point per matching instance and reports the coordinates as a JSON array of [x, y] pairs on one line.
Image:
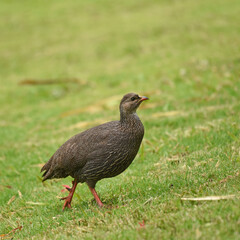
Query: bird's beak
[[143, 98]]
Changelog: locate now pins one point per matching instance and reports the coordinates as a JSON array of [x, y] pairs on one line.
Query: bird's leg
[[68, 199], [94, 193]]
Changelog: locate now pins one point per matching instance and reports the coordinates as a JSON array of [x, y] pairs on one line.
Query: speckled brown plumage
[[101, 152]]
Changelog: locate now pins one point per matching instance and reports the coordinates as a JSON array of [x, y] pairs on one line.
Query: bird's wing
[[74, 153]]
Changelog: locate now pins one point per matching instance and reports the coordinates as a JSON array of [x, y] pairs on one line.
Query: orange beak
[[143, 98]]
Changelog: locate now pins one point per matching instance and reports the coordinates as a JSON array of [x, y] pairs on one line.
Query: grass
[[64, 67]]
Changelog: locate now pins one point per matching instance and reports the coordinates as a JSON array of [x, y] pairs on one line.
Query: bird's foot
[[68, 199], [101, 205], [110, 206], [67, 203], [66, 188]]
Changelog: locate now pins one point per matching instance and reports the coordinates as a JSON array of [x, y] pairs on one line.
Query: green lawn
[[64, 66]]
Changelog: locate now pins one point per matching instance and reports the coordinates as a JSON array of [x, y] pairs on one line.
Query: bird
[[103, 151]]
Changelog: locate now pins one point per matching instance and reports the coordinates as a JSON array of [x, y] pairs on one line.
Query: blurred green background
[[64, 66]]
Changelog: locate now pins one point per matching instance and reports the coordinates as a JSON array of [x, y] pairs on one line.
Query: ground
[[64, 67]]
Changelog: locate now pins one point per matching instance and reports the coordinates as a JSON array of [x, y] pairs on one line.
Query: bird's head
[[130, 102]]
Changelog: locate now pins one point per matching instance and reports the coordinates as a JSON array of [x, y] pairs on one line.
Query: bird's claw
[[110, 206], [66, 204], [63, 198], [68, 188]]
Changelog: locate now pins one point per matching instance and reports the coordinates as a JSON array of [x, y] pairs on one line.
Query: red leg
[[68, 199], [100, 204]]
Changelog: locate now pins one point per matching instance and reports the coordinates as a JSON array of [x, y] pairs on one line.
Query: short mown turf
[[64, 67]]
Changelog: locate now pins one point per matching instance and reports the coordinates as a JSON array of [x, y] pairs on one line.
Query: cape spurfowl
[[101, 152]]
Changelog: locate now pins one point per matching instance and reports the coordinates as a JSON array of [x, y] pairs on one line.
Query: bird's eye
[[133, 98]]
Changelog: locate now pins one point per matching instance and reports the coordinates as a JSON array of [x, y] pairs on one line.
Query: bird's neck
[[130, 119]]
